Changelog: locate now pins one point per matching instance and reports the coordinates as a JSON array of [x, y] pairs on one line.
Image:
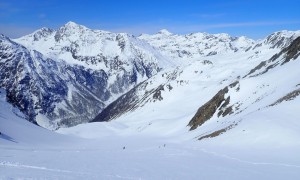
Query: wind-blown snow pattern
[[162, 106]]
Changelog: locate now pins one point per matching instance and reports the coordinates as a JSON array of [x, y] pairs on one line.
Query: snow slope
[[30, 152]]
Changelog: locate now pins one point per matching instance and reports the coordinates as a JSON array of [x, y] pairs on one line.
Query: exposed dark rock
[[121, 41], [206, 111], [169, 87], [212, 53], [157, 93], [217, 133], [227, 111], [258, 67], [232, 85], [205, 62], [290, 96], [224, 110], [293, 51], [214, 134]]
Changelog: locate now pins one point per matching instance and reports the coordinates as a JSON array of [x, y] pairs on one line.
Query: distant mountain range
[[73, 75]]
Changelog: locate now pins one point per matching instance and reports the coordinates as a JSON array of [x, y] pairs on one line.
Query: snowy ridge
[[77, 44], [198, 45]]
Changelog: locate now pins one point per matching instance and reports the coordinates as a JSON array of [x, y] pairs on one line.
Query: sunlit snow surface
[[154, 141], [158, 144]]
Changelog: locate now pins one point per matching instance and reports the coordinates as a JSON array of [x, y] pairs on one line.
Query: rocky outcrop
[[290, 96], [219, 105], [206, 111], [216, 133]]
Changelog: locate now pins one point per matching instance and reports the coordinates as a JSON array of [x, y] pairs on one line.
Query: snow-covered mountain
[[216, 70], [238, 101], [197, 45], [64, 77], [49, 92], [226, 104], [95, 49]]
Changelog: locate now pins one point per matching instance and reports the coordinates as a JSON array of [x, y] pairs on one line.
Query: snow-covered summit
[[164, 32], [77, 44]]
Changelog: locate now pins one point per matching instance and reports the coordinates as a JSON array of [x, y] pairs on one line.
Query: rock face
[[290, 96], [206, 111]]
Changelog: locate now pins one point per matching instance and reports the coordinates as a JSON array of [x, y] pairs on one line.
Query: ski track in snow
[[18, 165], [123, 177]]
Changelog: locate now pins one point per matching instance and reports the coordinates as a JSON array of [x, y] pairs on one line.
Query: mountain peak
[[42, 33], [70, 28], [165, 32], [71, 24]]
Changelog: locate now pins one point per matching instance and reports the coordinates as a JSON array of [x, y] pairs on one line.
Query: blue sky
[[253, 18]]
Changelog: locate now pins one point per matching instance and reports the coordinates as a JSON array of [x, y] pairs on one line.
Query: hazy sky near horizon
[[252, 18]]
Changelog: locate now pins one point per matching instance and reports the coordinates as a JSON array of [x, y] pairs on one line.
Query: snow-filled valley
[[95, 151], [162, 106]]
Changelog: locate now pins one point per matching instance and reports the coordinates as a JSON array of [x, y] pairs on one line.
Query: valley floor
[[144, 157]]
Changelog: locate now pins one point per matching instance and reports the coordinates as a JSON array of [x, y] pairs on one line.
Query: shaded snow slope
[[17, 132]]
